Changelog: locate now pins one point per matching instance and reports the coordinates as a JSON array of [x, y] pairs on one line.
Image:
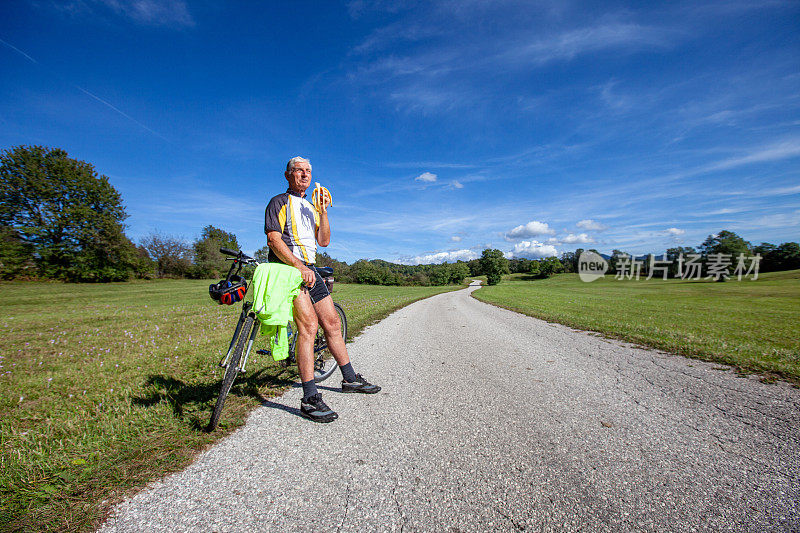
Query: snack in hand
[[320, 195]]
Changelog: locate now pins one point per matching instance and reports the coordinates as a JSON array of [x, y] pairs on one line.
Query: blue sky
[[441, 128]]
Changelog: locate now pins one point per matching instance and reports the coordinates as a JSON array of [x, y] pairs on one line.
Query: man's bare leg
[[306, 320], [312, 406], [331, 325]]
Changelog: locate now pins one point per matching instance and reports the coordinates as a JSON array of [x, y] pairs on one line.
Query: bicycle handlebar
[[237, 255]]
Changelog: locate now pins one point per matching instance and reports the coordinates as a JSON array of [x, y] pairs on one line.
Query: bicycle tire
[[324, 363], [230, 372]]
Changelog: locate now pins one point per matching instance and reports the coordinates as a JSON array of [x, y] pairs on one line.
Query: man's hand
[[277, 245], [308, 275], [321, 198]]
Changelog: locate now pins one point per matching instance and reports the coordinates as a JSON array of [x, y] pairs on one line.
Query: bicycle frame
[[239, 260], [246, 306], [238, 352]]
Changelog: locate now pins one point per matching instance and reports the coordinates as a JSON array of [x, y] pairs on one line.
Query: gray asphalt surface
[[493, 421]]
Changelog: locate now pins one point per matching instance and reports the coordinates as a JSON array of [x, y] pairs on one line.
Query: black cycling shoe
[[315, 409], [360, 385]]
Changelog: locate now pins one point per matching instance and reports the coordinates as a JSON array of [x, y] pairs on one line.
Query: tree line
[[61, 220]]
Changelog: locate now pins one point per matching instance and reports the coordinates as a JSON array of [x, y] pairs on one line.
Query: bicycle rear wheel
[[231, 371], [324, 363]]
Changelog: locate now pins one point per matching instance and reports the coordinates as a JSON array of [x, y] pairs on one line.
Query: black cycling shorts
[[319, 291]]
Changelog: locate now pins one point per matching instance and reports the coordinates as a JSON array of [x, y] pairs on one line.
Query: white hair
[[298, 159]]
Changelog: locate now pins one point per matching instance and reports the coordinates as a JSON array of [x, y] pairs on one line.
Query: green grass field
[[106, 387], [752, 325]]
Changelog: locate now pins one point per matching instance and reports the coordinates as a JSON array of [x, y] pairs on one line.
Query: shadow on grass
[[529, 277], [193, 398]]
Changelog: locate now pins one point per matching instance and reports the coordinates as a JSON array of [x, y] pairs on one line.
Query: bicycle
[[247, 329]]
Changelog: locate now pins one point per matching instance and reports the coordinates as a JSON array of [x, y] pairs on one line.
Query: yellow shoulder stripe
[[282, 216], [295, 235]]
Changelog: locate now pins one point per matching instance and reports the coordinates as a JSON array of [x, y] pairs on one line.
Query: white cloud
[[442, 257], [457, 185], [591, 225], [533, 250], [153, 12], [781, 150], [784, 190], [531, 229], [426, 177], [23, 54], [569, 44], [581, 238], [674, 232], [778, 220], [455, 238]]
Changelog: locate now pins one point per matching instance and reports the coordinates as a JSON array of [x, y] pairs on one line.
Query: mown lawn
[[753, 325], [105, 387]]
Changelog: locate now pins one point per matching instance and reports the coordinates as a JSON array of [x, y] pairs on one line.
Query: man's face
[[299, 177]]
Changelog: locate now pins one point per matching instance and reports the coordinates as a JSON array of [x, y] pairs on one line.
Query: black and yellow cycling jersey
[[297, 221]]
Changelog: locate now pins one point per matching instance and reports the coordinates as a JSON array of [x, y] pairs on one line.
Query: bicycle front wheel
[[230, 372], [324, 363]]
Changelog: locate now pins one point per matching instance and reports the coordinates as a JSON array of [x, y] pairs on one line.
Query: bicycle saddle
[[325, 271]]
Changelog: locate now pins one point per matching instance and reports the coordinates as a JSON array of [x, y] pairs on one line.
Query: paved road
[[493, 421]]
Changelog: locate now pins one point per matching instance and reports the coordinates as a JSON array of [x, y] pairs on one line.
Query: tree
[[474, 267], [420, 278], [646, 262], [16, 256], [725, 242], [145, 267], [519, 265], [493, 265], [787, 256], [775, 258], [728, 244], [440, 274], [262, 255], [172, 256], [769, 260], [208, 260], [616, 257], [570, 260], [576, 259], [365, 272], [458, 271], [673, 254], [67, 216], [547, 267]]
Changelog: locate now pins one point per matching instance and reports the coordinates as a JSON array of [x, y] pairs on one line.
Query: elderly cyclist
[[294, 228]]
